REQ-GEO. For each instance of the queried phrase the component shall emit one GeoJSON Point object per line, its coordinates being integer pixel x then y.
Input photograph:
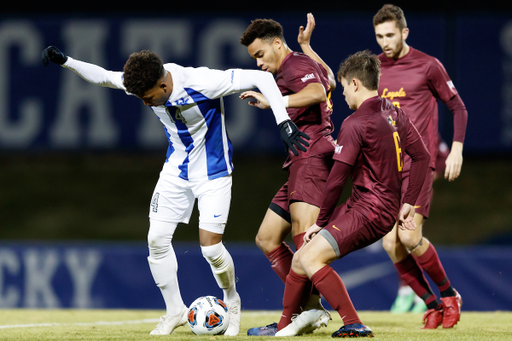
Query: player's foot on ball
{"type": "Point", "coordinates": [168, 323]}
{"type": "Point", "coordinates": [306, 322]}
{"type": "Point", "coordinates": [269, 330]}
{"type": "Point", "coordinates": [353, 330]}
{"type": "Point", "coordinates": [234, 308]}
{"type": "Point", "coordinates": [451, 306]}
{"type": "Point", "coordinates": [432, 319]}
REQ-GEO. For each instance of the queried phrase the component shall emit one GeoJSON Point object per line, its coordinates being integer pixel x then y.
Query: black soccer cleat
{"type": "Point", "coordinates": [353, 330]}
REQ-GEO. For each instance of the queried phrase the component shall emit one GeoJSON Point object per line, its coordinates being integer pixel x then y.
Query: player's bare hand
{"type": "Point", "coordinates": [454, 162]}
{"type": "Point", "coordinates": [311, 232]}
{"type": "Point", "coordinates": [261, 102]}
{"type": "Point", "coordinates": [305, 33]}
{"type": "Point", "coordinates": [406, 218]}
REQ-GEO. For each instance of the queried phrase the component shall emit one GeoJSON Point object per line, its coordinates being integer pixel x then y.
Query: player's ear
{"type": "Point", "coordinates": [405, 33]}
{"type": "Point", "coordinates": [278, 42]}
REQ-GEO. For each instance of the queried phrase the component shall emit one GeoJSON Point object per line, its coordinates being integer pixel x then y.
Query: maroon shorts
{"type": "Point", "coordinates": [306, 183]}
{"type": "Point", "coordinates": [422, 205]}
{"type": "Point", "coordinates": [351, 230]}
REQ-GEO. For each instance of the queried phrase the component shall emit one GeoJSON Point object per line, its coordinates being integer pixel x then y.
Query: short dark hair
{"type": "Point", "coordinates": [390, 13]}
{"type": "Point", "coordinates": [265, 29]}
{"type": "Point", "coordinates": [141, 72]}
{"type": "Point", "coordinates": [364, 66]}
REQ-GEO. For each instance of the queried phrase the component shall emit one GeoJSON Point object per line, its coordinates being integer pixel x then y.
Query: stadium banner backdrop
{"type": "Point", "coordinates": [113, 275]}
{"type": "Point", "coordinates": [47, 109]}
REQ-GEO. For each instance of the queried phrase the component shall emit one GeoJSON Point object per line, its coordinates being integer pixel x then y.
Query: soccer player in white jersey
{"type": "Point", "coordinates": [188, 102]}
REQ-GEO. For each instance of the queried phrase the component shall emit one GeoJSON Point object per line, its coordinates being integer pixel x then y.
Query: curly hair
{"type": "Point", "coordinates": [142, 71]}
{"type": "Point", "coordinates": [364, 66]}
{"type": "Point", "coordinates": [265, 29]}
{"type": "Point", "coordinates": [390, 12]}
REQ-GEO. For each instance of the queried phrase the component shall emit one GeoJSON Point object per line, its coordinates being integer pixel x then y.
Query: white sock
{"type": "Point", "coordinates": [223, 269]}
{"type": "Point", "coordinates": [163, 264]}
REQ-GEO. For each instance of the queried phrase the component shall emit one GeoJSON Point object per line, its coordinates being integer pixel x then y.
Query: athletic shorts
{"type": "Point", "coordinates": [422, 205]}
{"type": "Point", "coordinates": [351, 230]}
{"type": "Point", "coordinates": [306, 183]}
{"type": "Point", "coordinates": [173, 201]}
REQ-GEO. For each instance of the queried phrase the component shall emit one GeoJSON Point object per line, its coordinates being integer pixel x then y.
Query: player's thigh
{"type": "Point", "coordinates": [307, 179]}
{"type": "Point", "coordinates": [272, 232]}
{"type": "Point", "coordinates": [213, 200]}
{"type": "Point", "coordinates": [315, 255]}
{"type": "Point", "coordinates": [172, 200]}
{"type": "Point", "coordinates": [303, 215]}
{"type": "Point", "coordinates": [410, 238]}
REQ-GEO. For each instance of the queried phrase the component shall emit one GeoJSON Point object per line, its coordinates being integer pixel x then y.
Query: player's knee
{"type": "Point", "coordinates": [389, 244]}
{"type": "Point", "coordinates": [410, 239]}
{"type": "Point", "coordinates": [266, 244]}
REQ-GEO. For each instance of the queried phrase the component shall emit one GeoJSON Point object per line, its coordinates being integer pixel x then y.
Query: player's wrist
{"type": "Point", "coordinates": [286, 100]}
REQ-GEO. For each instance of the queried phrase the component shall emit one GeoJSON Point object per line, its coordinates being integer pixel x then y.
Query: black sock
{"type": "Point", "coordinates": [448, 292]}
{"type": "Point", "coordinates": [435, 305]}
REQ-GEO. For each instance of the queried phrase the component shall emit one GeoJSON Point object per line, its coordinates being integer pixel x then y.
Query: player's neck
{"type": "Point", "coordinates": [364, 95]}
{"type": "Point", "coordinates": [405, 50]}
{"type": "Point", "coordinates": [283, 53]}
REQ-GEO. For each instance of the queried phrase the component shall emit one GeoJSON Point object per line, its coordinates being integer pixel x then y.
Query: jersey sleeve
{"type": "Point", "coordinates": [349, 141]}
{"type": "Point", "coordinates": [217, 83]}
{"type": "Point", "coordinates": [96, 74]}
{"type": "Point", "coordinates": [439, 82]}
{"type": "Point", "coordinates": [301, 74]}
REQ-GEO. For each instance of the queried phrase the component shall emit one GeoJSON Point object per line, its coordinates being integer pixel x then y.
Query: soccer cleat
{"type": "Point", "coordinates": [353, 330]}
{"type": "Point", "coordinates": [234, 317]}
{"type": "Point", "coordinates": [306, 322]}
{"type": "Point", "coordinates": [451, 306]}
{"type": "Point", "coordinates": [168, 323]}
{"type": "Point", "coordinates": [432, 319]}
{"type": "Point", "coordinates": [403, 303]}
{"type": "Point", "coordinates": [269, 330]}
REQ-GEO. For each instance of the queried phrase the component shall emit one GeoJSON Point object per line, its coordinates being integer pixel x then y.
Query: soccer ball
{"type": "Point", "coordinates": [208, 316]}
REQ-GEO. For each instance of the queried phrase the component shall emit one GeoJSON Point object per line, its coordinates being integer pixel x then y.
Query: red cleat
{"type": "Point", "coordinates": [451, 306]}
{"type": "Point", "coordinates": [432, 319]}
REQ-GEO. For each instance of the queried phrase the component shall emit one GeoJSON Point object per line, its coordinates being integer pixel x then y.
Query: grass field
{"type": "Point", "coordinates": [24, 324]}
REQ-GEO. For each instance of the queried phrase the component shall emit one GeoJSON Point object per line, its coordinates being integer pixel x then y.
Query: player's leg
{"type": "Point", "coordinates": [171, 203]}
{"type": "Point", "coordinates": [272, 233]}
{"type": "Point", "coordinates": [214, 197]}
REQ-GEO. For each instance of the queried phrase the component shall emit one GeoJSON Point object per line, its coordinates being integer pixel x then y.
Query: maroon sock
{"type": "Point", "coordinates": [298, 240]}
{"type": "Point", "coordinates": [431, 263]}
{"type": "Point", "coordinates": [281, 260]}
{"type": "Point", "coordinates": [412, 274]}
{"type": "Point", "coordinates": [334, 291]}
{"type": "Point", "coordinates": [294, 290]}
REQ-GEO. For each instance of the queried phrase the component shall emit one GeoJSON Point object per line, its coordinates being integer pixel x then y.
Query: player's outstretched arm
{"type": "Point", "coordinates": [304, 40]}
{"type": "Point", "coordinates": [92, 73]}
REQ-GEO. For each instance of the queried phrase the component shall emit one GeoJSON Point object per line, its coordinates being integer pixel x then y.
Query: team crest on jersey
{"type": "Point", "coordinates": [338, 149]}
{"type": "Point", "coordinates": [390, 121]}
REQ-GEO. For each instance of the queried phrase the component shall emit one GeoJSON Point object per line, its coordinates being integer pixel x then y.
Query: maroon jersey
{"type": "Point", "coordinates": [373, 140]}
{"type": "Point", "coordinates": [296, 72]}
{"type": "Point", "coordinates": [414, 83]}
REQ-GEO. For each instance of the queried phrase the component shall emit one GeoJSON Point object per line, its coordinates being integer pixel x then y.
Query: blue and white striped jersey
{"type": "Point", "coordinates": [194, 121]}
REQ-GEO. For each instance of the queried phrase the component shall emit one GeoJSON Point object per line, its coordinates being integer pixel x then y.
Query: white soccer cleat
{"type": "Point", "coordinates": [234, 308]}
{"type": "Point", "coordinates": [306, 322]}
{"type": "Point", "coordinates": [168, 323]}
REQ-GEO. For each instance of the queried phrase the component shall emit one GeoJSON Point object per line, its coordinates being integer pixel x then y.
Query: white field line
{"type": "Point", "coordinates": [99, 323]}
{"type": "Point", "coordinates": [112, 323]}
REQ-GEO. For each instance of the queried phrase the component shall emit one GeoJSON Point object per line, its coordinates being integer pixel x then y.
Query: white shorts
{"type": "Point", "coordinates": [173, 200]}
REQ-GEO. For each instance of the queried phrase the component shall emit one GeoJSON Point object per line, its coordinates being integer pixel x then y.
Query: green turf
{"type": "Point", "coordinates": [128, 325]}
